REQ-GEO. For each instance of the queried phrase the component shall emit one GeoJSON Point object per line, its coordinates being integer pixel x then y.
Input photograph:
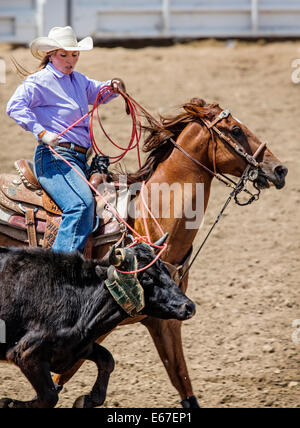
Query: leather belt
{"type": "Point", "coordinates": [73, 146]}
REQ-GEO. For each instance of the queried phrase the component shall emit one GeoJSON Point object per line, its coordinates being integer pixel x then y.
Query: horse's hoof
{"type": "Point", "coordinates": [190, 403]}
{"type": "Point", "coordinates": [6, 403]}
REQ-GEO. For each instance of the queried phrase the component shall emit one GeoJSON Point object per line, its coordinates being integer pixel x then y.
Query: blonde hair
{"type": "Point", "coordinates": [23, 72]}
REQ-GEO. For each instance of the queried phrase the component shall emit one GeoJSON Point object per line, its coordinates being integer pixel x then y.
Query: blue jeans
{"type": "Point", "coordinates": [70, 192]}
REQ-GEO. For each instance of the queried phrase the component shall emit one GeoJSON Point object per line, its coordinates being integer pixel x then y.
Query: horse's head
{"type": "Point", "coordinates": [230, 138]}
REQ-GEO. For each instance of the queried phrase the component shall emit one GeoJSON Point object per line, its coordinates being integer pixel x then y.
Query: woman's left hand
{"type": "Point", "coordinates": [117, 85]}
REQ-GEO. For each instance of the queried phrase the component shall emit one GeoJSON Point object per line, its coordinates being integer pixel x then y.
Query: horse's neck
{"type": "Point", "coordinates": [190, 193]}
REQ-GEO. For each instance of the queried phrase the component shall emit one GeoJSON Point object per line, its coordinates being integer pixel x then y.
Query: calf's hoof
{"type": "Point", "coordinates": [79, 403]}
{"type": "Point", "coordinates": [6, 403]}
{"type": "Point", "coordinates": [58, 388]}
{"type": "Point", "coordinates": [86, 402]}
{"type": "Point", "coordinates": [83, 402]}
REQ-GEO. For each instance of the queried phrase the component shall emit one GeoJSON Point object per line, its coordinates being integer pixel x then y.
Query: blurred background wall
{"type": "Point", "coordinates": [23, 20]}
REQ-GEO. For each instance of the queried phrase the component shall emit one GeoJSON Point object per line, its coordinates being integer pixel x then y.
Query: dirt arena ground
{"type": "Point", "coordinates": [239, 347]}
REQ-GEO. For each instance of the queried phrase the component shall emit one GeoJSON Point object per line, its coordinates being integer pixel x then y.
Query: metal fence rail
{"type": "Point", "coordinates": [22, 20]}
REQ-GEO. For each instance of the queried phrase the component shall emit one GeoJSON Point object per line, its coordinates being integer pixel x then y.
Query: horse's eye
{"type": "Point", "coordinates": [236, 131]}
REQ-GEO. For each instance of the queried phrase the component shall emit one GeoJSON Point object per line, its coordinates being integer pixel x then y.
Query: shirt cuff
{"type": "Point", "coordinates": [37, 129]}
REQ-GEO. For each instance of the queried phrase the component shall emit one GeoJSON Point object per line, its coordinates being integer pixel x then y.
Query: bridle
{"type": "Point", "coordinates": [251, 172]}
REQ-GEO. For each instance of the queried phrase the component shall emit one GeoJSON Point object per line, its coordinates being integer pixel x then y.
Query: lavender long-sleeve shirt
{"type": "Point", "coordinates": [53, 101]}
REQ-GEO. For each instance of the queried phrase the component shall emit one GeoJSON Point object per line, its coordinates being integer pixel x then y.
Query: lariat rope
{"type": "Point", "coordinates": [104, 93]}
{"type": "Point", "coordinates": [133, 109]}
{"type": "Point", "coordinates": [136, 133]}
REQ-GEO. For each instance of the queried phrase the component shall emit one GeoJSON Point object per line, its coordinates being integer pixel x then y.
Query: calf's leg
{"type": "Point", "coordinates": [38, 374]}
{"type": "Point", "coordinates": [105, 364]}
{"type": "Point", "coordinates": [62, 379]}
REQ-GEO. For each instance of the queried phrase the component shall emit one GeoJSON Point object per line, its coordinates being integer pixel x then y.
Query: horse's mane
{"type": "Point", "coordinates": [157, 142]}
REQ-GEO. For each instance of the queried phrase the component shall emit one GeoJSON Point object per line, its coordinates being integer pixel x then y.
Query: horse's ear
{"type": "Point", "coordinates": [190, 109]}
{"type": "Point", "coordinates": [198, 102]}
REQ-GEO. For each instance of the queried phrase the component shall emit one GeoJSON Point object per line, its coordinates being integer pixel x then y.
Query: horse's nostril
{"type": "Point", "coordinates": [281, 171]}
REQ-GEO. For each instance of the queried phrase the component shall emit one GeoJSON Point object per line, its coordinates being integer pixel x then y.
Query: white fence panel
{"type": "Point", "coordinates": [280, 18]}
{"type": "Point", "coordinates": [52, 13]}
{"type": "Point", "coordinates": [215, 18]}
{"type": "Point", "coordinates": [17, 20]}
{"type": "Point", "coordinates": [115, 19]}
{"type": "Point", "coordinates": [118, 19]}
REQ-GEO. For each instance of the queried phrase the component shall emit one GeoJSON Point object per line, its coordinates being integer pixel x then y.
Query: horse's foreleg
{"type": "Point", "coordinates": [166, 335]}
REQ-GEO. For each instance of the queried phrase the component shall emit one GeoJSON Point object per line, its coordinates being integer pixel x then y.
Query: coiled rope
{"type": "Point", "coordinates": [133, 107]}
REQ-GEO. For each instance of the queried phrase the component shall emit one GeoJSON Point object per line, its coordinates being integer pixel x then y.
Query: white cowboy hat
{"type": "Point", "coordinates": [59, 38]}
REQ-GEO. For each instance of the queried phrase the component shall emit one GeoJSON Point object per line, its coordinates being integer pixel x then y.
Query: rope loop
{"type": "Point", "coordinates": [134, 143]}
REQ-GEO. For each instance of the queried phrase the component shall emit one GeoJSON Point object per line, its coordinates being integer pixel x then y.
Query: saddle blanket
{"type": "Point", "coordinates": [18, 221]}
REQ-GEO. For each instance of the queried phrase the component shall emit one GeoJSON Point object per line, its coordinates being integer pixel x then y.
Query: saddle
{"type": "Point", "coordinates": [29, 215]}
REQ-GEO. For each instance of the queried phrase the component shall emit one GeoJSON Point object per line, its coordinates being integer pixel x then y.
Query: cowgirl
{"type": "Point", "coordinates": [47, 103]}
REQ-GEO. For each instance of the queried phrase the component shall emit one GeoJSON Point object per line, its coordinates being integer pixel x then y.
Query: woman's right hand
{"type": "Point", "coordinates": [50, 138]}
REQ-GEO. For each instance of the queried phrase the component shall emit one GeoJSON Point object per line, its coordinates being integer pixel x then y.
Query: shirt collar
{"type": "Point", "coordinates": [54, 70]}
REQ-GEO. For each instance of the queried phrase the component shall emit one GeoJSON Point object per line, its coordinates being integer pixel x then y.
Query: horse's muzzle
{"type": "Point", "coordinates": [275, 175]}
{"type": "Point", "coordinates": [280, 172]}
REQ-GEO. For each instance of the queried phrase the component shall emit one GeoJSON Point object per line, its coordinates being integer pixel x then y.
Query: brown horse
{"type": "Point", "coordinates": [208, 142]}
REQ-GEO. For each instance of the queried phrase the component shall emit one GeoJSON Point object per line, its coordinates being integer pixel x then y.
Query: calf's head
{"type": "Point", "coordinates": [163, 298]}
